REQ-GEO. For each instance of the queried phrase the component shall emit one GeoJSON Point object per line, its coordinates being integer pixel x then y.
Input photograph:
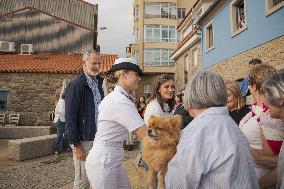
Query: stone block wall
{"type": "Point", "coordinates": [33, 95]}
{"type": "Point", "coordinates": [28, 148]}
{"type": "Point", "coordinates": [16, 132]}
{"type": "Point", "coordinates": [236, 67]}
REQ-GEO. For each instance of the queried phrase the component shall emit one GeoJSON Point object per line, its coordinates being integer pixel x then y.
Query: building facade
{"type": "Point", "coordinates": [156, 37]}
{"type": "Point", "coordinates": [47, 26]}
{"type": "Point", "coordinates": [30, 84]}
{"type": "Point", "coordinates": [187, 55]}
{"type": "Point", "coordinates": [236, 31]}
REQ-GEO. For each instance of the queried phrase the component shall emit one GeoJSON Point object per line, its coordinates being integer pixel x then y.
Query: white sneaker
{"type": "Point", "coordinates": [56, 153]}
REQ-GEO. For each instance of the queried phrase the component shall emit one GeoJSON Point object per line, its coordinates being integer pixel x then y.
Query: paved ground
{"type": "Point", "coordinates": [53, 172]}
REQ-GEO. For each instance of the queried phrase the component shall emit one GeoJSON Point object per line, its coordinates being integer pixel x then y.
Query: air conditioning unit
{"type": "Point", "coordinates": [6, 46]}
{"type": "Point", "coordinates": [26, 48]}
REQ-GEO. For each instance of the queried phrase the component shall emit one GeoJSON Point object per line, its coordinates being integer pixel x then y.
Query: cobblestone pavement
{"type": "Point", "coordinates": [54, 172]}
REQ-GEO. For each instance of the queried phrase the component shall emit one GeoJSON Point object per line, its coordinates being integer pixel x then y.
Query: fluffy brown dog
{"type": "Point", "coordinates": [159, 146]}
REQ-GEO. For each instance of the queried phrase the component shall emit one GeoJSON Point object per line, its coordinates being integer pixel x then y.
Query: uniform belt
{"type": "Point", "coordinates": [114, 144]}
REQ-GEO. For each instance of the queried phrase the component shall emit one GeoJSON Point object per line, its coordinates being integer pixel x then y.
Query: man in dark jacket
{"type": "Point", "coordinates": [82, 97]}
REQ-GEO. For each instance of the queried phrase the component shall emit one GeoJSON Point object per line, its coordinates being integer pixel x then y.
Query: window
{"type": "Point", "coordinates": [273, 5]}
{"type": "Point", "coordinates": [181, 12]}
{"type": "Point", "coordinates": [136, 13]}
{"type": "Point", "coordinates": [238, 17]}
{"type": "Point", "coordinates": [195, 57]}
{"type": "Point", "coordinates": [136, 35]}
{"type": "Point", "coordinates": [209, 36]}
{"type": "Point", "coordinates": [136, 55]}
{"type": "Point", "coordinates": [160, 10]}
{"type": "Point", "coordinates": [4, 99]}
{"type": "Point", "coordinates": [147, 88]}
{"type": "Point", "coordinates": [152, 33]}
{"type": "Point", "coordinates": [159, 33]}
{"type": "Point", "coordinates": [158, 57]}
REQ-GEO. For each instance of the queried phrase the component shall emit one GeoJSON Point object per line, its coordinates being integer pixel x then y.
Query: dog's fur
{"type": "Point", "coordinates": [159, 147]}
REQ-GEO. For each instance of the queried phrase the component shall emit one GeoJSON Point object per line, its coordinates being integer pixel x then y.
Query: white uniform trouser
{"type": "Point", "coordinates": [104, 167]}
{"type": "Point", "coordinates": [81, 180]}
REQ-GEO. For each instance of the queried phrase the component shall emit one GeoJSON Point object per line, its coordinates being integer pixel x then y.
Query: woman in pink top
{"type": "Point", "coordinates": [265, 134]}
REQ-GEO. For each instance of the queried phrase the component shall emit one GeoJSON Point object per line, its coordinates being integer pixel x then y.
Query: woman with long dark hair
{"type": "Point", "coordinates": [163, 100]}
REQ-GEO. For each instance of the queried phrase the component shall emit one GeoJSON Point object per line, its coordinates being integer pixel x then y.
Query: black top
{"type": "Point", "coordinates": [238, 115]}
{"type": "Point", "coordinates": [186, 118]}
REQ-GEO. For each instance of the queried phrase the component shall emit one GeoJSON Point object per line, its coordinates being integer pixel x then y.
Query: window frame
{"type": "Point", "coordinates": [169, 6]}
{"type": "Point", "coordinates": [136, 35]}
{"type": "Point", "coordinates": [235, 29]}
{"type": "Point", "coordinates": [207, 47]}
{"type": "Point", "coordinates": [136, 54]}
{"type": "Point", "coordinates": [160, 29]}
{"type": "Point", "coordinates": [148, 88]}
{"type": "Point", "coordinates": [270, 9]}
{"type": "Point", "coordinates": [151, 53]}
{"type": "Point", "coordinates": [8, 91]}
{"type": "Point", "coordinates": [136, 12]}
{"type": "Point", "coordinates": [181, 12]}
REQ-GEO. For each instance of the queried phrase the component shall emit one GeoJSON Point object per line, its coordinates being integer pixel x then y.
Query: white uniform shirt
{"type": "Point", "coordinates": [154, 108]}
{"type": "Point", "coordinates": [117, 116]}
{"type": "Point", "coordinates": [59, 111]}
{"type": "Point", "coordinates": [212, 153]}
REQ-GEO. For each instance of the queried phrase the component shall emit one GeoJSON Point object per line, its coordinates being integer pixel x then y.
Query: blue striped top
{"type": "Point", "coordinates": [212, 154]}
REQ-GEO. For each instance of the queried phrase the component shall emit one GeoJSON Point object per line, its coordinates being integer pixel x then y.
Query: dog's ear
{"type": "Point", "coordinates": [177, 121]}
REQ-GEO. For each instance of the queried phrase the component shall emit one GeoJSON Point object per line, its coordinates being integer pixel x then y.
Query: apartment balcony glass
{"type": "Point", "coordinates": [160, 10]}
{"type": "Point", "coordinates": [160, 33]}
{"type": "Point", "coordinates": [158, 57]}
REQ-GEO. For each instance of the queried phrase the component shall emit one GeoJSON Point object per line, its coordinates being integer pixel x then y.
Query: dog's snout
{"type": "Point", "coordinates": [149, 131]}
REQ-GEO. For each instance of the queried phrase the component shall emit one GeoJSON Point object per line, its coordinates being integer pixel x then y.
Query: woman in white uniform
{"type": "Point", "coordinates": [118, 115]}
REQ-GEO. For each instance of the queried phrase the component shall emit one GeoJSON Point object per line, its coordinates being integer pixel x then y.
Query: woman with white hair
{"type": "Point", "coordinates": [212, 151]}
{"type": "Point", "coordinates": [273, 89]}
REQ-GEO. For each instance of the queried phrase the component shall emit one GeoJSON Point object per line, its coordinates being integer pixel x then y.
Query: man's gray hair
{"type": "Point", "coordinates": [204, 90]}
{"type": "Point", "coordinates": [273, 88]}
{"type": "Point", "coordinates": [87, 53]}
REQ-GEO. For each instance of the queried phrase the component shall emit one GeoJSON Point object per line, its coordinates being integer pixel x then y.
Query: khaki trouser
{"type": "Point", "coordinates": [81, 180]}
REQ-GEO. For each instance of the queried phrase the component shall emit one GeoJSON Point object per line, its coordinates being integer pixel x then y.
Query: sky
{"type": "Point", "coordinates": [117, 17]}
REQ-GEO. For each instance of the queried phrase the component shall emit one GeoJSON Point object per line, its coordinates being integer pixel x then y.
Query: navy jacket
{"type": "Point", "coordinates": [80, 109]}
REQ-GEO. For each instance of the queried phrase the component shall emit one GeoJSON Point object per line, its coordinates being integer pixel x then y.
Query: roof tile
{"type": "Point", "coordinates": [49, 63]}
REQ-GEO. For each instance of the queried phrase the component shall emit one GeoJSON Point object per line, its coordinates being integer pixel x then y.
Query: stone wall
{"type": "Point", "coordinates": [33, 95]}
{"type": "Point", "coordinates": [182, 68]}
{"type": "Point", "coordinates": [236, 67]}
